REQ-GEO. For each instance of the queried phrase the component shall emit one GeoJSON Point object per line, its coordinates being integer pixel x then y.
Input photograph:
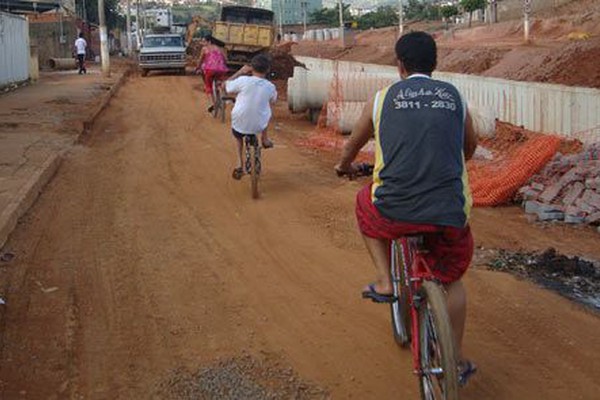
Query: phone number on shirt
{"type": "Point", "coordinates": [448, 105]}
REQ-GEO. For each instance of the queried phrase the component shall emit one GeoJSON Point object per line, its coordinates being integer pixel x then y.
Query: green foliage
{"type": "Point", "coordinates": [472, 5]}
{"type": "Point", "coordinates": [422, 10]}
{"type": "Point", "coordinates": [382, 17]}
{"type": "Point", "coordinates": [330, 16]}
{"type": "Point", "coordinates": [182, 14]}
{"type": "Point", "coordinates": [449, 11]}
{"type": "Point", "coordinates": [111, 12]}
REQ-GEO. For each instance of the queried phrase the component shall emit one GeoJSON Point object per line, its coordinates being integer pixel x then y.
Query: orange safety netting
{"type": "Point", "coordinates": [516, 155]}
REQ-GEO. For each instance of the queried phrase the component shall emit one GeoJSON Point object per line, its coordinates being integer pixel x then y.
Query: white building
{"type": "Point", "coordinates": [291, 12]}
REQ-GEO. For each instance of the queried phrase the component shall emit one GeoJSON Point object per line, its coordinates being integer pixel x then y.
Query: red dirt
{"type": "Point", "coordinates": [498, 50]}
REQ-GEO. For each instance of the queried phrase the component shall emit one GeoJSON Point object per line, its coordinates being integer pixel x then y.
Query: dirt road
{"type": "Point", "coordinates": [144, 256]}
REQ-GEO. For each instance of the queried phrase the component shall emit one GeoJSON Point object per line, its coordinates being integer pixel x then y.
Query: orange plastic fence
{"type": "Point", "coordinates": [494, 182]}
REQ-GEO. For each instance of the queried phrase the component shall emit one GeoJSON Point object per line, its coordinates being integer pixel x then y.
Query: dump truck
{"type": "Point", "coordinates": [246, 31]}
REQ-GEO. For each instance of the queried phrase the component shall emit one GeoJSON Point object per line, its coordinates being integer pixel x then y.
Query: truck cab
{"type": "Point", "coordinates": [162, 52]}
{"type": "Point", "coordinates": [246, 31]}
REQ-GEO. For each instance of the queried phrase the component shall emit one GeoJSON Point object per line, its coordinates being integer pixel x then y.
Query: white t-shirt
{"type": "Point", "coordinates": [80, 44]}
{"type": "Point", "coordinates": [252, 110]}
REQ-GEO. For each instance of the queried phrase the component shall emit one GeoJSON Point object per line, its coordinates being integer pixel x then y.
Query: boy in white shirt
{"type": "Point", "coordinates": [252, 110]}
{"type": "Point", "coordinates": [80, 47]}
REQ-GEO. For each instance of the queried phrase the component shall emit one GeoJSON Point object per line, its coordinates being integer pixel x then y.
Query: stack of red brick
{"type": "Point", "coordinates": [567, 189]}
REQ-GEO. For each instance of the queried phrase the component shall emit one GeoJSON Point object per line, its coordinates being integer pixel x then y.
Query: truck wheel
{"type": "Point", "coordinates": [144, 72]}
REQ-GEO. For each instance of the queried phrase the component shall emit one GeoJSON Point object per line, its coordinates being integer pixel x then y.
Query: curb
{"type": "Point", "coordinates": [89, 123]}
{"type": "Point", "coordinates": [27, 195]}
{"type": "Point", "coordinates": [29, 192]}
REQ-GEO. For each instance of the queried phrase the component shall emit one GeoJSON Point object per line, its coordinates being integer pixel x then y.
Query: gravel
{"type": "Point", "coordinates": [243, 377]}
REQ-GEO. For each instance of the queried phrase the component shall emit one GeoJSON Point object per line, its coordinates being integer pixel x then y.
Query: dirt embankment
{"type": "Point", "coordinates": [564, 48]}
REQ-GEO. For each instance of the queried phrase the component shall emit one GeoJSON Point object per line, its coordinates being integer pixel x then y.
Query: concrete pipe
{"type": "Point", "coordinates": [346, 114]}
{"type": "Point", "coordinates": [312, 89]}
{"type": "Point", "coordinates": [62, 63]}
{"type": "Point", "coordinates": [319, 35]}
{"type": "Point", "coordinates": [327, 34]}
{"type": "Point", "coordinates": [320, 64]}
{"type": "Point", "coordinates": [294, 37]}
{"type": "Point", "coordinates": [286, 37]}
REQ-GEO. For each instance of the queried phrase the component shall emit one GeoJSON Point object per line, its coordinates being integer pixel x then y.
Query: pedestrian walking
{"type": "Point", "coordinates": [80, 48]}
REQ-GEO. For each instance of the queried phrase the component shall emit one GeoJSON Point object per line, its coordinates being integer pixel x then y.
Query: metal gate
{"type": "Point", "coordinates": [14, 49]}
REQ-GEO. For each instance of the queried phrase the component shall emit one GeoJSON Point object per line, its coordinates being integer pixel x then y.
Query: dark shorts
{"type": "Point", "coordinates": [239, 135]}
{"type": "Point", "coordinates": [209, 76]}
{"type": "Point", "coordinates": [450, 248]}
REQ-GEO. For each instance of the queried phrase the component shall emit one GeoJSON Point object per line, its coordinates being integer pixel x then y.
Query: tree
{"type": "Point", "coordinates": [382, 17]}
{"type": "Point", "coordinates": [472, 5]}
{"type": "Point", "coordinates": [330, 16]}
{"type": "Point", "coordinates": [448, 12]}
{"type": "Point", "coordinates": [111, 10]}
{"type": "Point", "coordinates": [422, 10]}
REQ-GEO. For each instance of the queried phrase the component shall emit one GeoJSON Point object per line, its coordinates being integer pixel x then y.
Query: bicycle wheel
{"type": "Point", "coordinates": [400, 309]}
{"type": "Point", "coordinates": [216, 97]}
{"type": "Point", "coordinates": [439, 374]}
{"type": "Point", "coordinates": [255, 168]}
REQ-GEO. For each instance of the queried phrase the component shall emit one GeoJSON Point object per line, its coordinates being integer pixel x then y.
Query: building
{"type": "Point", "coordinates": [291, 12]}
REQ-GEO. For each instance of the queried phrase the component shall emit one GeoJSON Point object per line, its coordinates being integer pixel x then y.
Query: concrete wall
{"type": "Point", "coordinates": [54, 39]}
{"type": "Point", "coordinates": [14, 49]}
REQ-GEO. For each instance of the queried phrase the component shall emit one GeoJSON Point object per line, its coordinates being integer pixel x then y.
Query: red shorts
{"type": "Point", "coordinates": [209, 76]}
{"type": "Point", "coordinates": [450, 248]}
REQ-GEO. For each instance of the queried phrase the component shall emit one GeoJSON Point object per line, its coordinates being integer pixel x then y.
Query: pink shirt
{"type": "Point", "coordinates": [214, 61]}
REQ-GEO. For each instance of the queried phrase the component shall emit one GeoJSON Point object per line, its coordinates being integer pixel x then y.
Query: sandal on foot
{"type": "Point", "coordinates": [466, 369]}
{"type": "Point", "coordinates": [267, 144]}
{"type": "Point", "coordinates": [377, 297]}
{"type": "Point", "coordinates": [210, 109]}
{"type": "Point", "coordinates": [237, 173]}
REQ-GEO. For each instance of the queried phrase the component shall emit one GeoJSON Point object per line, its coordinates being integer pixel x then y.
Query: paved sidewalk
{"type": "Point", "coordinates": [38, 124]}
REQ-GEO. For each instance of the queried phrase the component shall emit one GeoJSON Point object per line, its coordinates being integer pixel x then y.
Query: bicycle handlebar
{"type": "Point", "coordinates": [360, 169]}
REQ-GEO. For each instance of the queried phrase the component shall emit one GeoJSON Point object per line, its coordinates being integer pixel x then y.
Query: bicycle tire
{"type": "Point", "coordinates": [436, 339]}
{"type": "Point", "coordinates": [216, 97]}
{"type": "Point", "coordinates": [400, 309]}
{"type": "Point", "coordinates": [255, 172]}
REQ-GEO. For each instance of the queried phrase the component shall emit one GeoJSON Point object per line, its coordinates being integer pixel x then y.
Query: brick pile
{"type": "Point", "coordinates": [567, 189]}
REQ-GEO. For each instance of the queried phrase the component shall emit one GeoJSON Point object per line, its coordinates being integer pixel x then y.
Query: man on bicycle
{"type": "Point", "coordinates": [423, 136]}
{"type": "Point", "coordinates": [252, 111]}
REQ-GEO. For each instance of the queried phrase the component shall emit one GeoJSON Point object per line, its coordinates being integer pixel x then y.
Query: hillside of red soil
{"type": "Point", "coordinates": [499, 50]}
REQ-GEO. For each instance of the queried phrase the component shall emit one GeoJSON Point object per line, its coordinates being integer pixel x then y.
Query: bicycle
{"type": "Point", "coordinates": [419, 310]}
{"type": "Point", "coordinates": [219, 99]}
{"type": "Point", "coordinates": [253, 164]}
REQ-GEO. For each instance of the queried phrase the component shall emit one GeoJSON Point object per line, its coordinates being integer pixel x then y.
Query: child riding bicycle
{"type": "Point", "coordinates": [213, 65]}
{"type": "Point", "coordinates": [252, 110]}
{"type": "Point", "coordinates": [423, 134]}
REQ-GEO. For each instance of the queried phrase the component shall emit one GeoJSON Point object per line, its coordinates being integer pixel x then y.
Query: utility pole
{"type": "Point", "coordinates": [526, 14]}
{"type": "Point", "coordinates": [341, 6]}
{"type": "Point", "coordinates": [400, 18]}
{"type": "Point", "coordinates": [128, 27]}
{"type": "Point", "coordinates": [103, 40]}
{"type": "Point", "coordinates": [303, 4]}
{"type": "Point", "coordinates": [280, 19]}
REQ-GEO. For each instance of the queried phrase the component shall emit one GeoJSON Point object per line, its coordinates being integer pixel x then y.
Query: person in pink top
{"type": "Point", "coordinates": [213, 64]}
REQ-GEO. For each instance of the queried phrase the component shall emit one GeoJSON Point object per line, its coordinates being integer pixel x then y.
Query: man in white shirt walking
{"type": "Point", "coordinates": [80, 47]}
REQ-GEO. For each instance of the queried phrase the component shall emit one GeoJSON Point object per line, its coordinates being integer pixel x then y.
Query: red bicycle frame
{"type": "Point", "coordinates": [415, 271]}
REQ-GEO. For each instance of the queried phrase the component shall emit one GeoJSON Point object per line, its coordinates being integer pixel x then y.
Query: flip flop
{"type": "Point", "coordinates": [267, 144]}
{"type": "Point", "coordinates": [237, 173]}
{"type": "Point", "coordinates": [466, 369]}
{"type": "Point", "coordinates": [377, 297]}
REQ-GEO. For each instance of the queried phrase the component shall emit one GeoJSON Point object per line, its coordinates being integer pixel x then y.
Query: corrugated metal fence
{"type": "Point", "coordinates": [14, 48]}
{"type": "Point", "coordinates": [565, 110]}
